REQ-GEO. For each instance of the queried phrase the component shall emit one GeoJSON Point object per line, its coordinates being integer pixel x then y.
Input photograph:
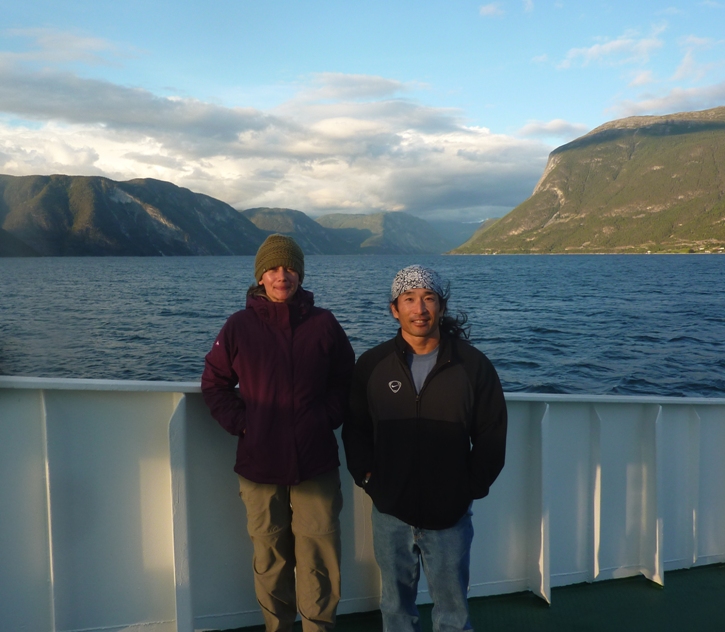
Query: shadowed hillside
{"type": "Point", "coordinates": [63, 215]}
{"type": "Point", "coordinates": [339, 233]}
{"type": "Point", "coordinates": [312, 238]}
{"type": "Point", "coordinates": [11, 246]}
{"type": "Point", "coordinates": [72, 215]}
{"type": "Point", "coordinates": [386, 233]}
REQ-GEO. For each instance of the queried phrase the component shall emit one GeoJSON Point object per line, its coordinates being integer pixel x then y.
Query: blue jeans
{"type": "Point", "coordinates": [446, 554]}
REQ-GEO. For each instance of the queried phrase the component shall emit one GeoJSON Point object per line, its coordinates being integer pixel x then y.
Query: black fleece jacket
{"type": "Point", "coordinates": [431, 453]}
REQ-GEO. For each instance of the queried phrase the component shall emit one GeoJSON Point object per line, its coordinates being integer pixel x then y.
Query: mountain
{"type": "Point", "coordinates": [312, 238]}
{"type": "Point", "coordinates": [454, 233]}
{"type": "Point", "coordinates": [645, 183]}
{"type": "Point", "coordinates": [61, 215]}
{"type": "Point", "coordinates": [73, 215]}
{"type": "Point", "coordinates": [338, 233]}
{"type": "Point", "coordinates": [386, 233]}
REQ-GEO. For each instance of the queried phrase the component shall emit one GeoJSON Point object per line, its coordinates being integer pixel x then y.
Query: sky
{"type": "Point", "coordinates": [443, 109]}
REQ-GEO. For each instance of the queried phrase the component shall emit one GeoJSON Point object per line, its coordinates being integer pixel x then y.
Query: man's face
{"type": "Point", "coordinates": [280, 284]}
{"type": "Point", "coordinates": [418, 312]}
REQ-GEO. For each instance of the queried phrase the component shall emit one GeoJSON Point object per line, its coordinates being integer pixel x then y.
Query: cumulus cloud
{"type": "Point", "coordinates": [63, 96]}
{"type": "Point", "coordinates": [557, 128]}
{"type": "Point", "coordinates": [626, 49]}
{"type": "Point", "coordinates": [492, 9]}
{"type": "Point", "coordinates": [157, 160]}
{"type": "Point", "coordinates": [344, 143]}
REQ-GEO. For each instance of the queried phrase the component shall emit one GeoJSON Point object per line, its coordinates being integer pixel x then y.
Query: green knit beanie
{"type": "Point", "coordinates": [279, 250]}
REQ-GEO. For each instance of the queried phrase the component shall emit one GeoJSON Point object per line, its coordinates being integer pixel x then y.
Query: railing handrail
{"type": "Point", "coordinates": [159, 386]}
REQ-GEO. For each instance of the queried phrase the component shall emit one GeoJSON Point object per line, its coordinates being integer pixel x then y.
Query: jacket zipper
{"type": "Point", "coordinates": [436, 369]}
{"type": "Point", "coordinates": [406, 369]}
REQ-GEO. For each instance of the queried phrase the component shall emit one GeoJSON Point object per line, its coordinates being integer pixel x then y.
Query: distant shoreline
{"type": "Point", "coordinates": [371, 255]}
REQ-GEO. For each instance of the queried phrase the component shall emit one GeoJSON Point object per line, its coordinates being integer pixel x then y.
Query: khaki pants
{"type": "Point", "coordinates": [295, 530]}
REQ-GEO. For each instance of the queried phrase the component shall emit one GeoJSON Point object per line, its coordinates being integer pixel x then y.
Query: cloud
{"type": "Point", "coordinates": [641, 79]}
{"type": "Point", "coordinates": [688, 69]}
{"type": "Point", "coordinates": [46, 45]}
{"type": "Point", "coordinates": [389, 113]}
{"type": "Point", "coordinates": [556, 128]}
{"type": "Point", "coordinates": [692, 41]}
{"type": "Point", "coordinates": [626, 49]}
{"type": "Point", "coordinates": [676, 100]}
{"type": "Point", "coordinates": [67, 98]}
{"type": "Point", "coordinates": [329, 85]}
{"type": "Point", "coordinates": [158, 160]}
{"type": "Point", "coordinates": [491, 10]}
{"type": "Point", "coordinates": [528, 6]}
{"type": "Point", "coordinates": [344, 143]}
{"type": "Point", "coordinates": [27, 151]}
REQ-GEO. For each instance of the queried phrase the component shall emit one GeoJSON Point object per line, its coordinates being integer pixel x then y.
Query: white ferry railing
{"type": "Point", "coordinates": [119, 507]}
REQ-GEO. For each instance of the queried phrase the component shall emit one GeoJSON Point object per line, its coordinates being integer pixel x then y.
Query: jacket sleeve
{"type": "Point", "coordinates": [358, 434]}
{"type": "Point", "coordinates": [339, 377]}
{"type": "Point", "coordinates": [218, 384]}
{"type": "Point", "coordinates": [488, 432]}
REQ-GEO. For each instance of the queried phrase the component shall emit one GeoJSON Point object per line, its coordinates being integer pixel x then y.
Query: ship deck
{"type": "Point", "coordinates": [691, 600]}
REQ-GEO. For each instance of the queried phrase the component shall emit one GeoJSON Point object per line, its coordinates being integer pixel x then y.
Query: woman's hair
{"type": "Point", "coordinates": [256, 290]}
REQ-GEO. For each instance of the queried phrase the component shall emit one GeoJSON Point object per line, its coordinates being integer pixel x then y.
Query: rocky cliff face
{"type": "Point", "coordinates": [635, 185]}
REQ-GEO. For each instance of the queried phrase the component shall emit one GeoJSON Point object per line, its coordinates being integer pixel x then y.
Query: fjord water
{"type": "Point", "coordinates": [652, 325]}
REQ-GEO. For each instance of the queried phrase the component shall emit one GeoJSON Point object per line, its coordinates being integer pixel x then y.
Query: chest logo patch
{"type": "Point", "coordinates": [395, 386]}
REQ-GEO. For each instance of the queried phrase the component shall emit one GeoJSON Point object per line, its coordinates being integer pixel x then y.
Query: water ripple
{"type": "Point", "coordinates": [569, 324]}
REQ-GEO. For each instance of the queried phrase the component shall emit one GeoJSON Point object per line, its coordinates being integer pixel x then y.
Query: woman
{"type": "Point", "coordinates": [293, 364]}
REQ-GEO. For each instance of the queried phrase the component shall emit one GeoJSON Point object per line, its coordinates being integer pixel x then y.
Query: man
{"type": "Point", "coordinates": [426, 437]}
{"type": "Point", "coordinates": [293, 364]}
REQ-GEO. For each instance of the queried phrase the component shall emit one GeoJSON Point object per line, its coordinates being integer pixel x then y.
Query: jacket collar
{"type": "Point", "coordinates": [445, 349]}
{"type": "Point", "coordinates": [282, 314]}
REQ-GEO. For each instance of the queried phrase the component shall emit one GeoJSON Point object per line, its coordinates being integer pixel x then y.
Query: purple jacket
{"type": "Point", "coordinates": [293, 364]}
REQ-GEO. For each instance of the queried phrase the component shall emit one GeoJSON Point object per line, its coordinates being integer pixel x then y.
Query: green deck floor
{"type": "Point", "coordinates": [691, 601]}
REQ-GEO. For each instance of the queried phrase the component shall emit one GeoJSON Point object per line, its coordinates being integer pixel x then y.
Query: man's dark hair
{"type": "Point", "coordinates": [453, 326]}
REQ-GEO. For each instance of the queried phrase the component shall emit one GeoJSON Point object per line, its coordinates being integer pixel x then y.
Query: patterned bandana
{"type": "Point", "coordinates": [415, 277]}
